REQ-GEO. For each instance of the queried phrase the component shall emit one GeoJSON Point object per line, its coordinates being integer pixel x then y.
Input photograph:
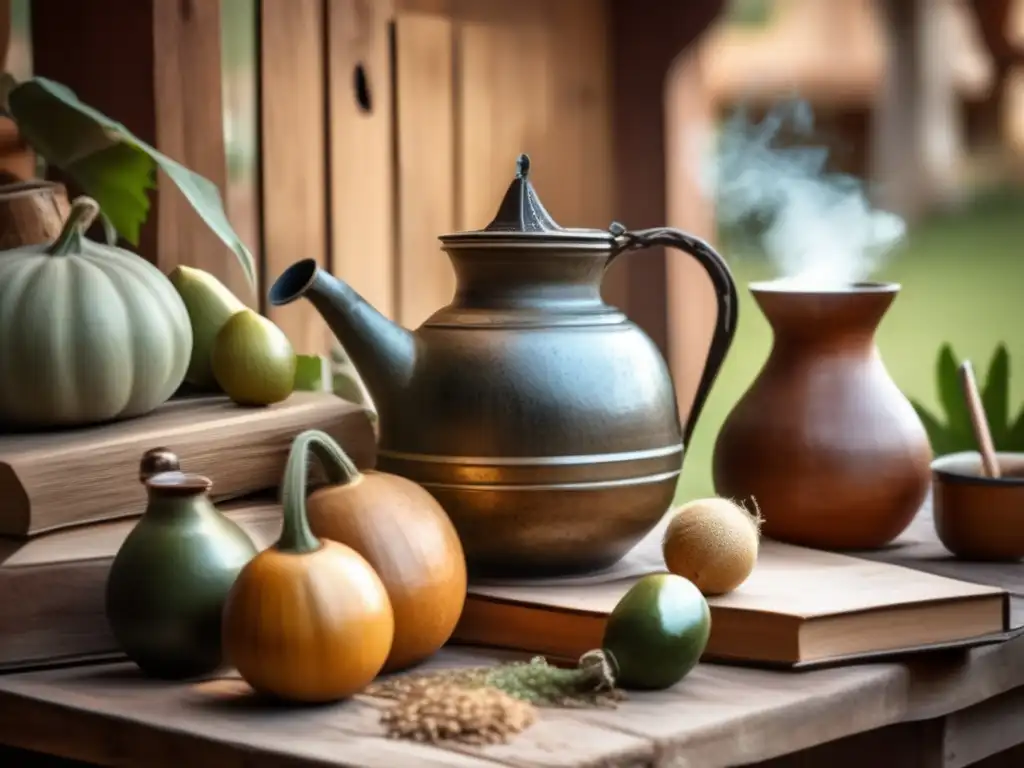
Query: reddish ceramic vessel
{"type": "Point", "coordinates": [826, 443]}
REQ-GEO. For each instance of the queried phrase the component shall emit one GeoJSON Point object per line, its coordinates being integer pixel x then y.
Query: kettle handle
{"type": "Point", "coordinates": [725, 291]}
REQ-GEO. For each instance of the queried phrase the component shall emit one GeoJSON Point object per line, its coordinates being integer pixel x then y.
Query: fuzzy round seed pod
{"type": "Point", "coordinates": [714, 543]}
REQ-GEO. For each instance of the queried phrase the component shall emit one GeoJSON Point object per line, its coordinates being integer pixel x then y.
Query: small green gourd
{"type": "Point", "coordinates": [210, 305]}
{"type": "Point", "coordinates": [88, 332]}
{"type": "Point", "coordinates": [169, 580]}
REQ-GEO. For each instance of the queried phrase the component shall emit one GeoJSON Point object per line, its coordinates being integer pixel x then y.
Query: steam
{"type": "Point", "coordinates": [817, 228]}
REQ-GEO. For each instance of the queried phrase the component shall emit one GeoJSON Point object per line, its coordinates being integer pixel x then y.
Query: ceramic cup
{"type": "Point", "coordinates": [978, 517]}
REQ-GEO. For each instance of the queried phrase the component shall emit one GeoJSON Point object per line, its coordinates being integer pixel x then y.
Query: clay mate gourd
{"type": "Point", "coordinates": [88, 332]}
{"type": "Point", "coordinates": [308, 619]}
{"type": "Point", "coordinates": [404, 534]}
{"type": "Point", "coordinates": [168, 582]}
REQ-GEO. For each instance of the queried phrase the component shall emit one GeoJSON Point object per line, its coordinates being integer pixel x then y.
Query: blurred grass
{"type": "Point", "coordinates": [962, 277]}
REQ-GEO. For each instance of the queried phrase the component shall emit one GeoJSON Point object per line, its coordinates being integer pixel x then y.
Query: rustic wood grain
{"type": "Point", "coordinates": [648, 37]}
{"type": "Point", "coordinates": [361, 144]}
{"type": "Point", "coordinates": [240, 85]}
{"type": "Point", "coordinates": [718, 716]}
{"type": "Point", "coordinates": [294, 155]}
{"type": "Point", "coordinates": [691, 303]}
{"type": "Point", "coordinates": [241, 449]}
{"type": "Point", "coordinates": [31, 213]}
{"type": "Point", "coordinates": [918, 547]}
{"type": "Point", "coordinates": [168, 92]}
{"type": "Point", "coordinates": [61, 578]}
{"type": "Point", "coordinates": [189, 111]}
{"type": "Point", "coordinates": [579, 124]}
{"type": "Point", "coordinates": [501, 109]}
{"type": "Point", "coordinates": [426, 163]}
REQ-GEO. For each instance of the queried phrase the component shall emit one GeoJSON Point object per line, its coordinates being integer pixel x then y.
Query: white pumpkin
{"type": "Point", "coordinates": [88, 332]}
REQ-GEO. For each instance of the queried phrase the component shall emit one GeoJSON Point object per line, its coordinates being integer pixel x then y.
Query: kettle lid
{"type": "Point", "coordinates": [523, 220]}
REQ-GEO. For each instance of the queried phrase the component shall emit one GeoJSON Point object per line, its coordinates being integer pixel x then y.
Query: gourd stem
{"type": "Point", "coordinates": [84, 211]}
{"type": "Point", "coordinates": [296, 535]}
{"type": "Point", "coordinates": [338, 467]}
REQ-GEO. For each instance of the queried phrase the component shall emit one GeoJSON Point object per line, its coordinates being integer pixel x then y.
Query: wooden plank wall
{"type": "Point", "coordinates": [357, 131]}
{"type": "Point", "coordinates": [293, 154]}
{"type": "Point", "coordinates": [378, 137]}
{"type": "Point", "coordinates": [163, 85]}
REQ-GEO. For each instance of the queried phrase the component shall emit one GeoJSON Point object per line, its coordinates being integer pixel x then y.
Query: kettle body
{"type": "Point", "coordinates": [540, 417]}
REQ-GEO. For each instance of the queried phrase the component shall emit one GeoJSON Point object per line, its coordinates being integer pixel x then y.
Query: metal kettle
{"type": "Point", "coordinates": [541, 418]}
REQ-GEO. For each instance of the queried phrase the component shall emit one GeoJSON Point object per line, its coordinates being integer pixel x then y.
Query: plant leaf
{"type": "Point", "coordinates": [958, 418]}
{"type": "Point", "coordinates": [111, 164]}
{"type": "Point", "coordinates": [1014, 441]}
{"type": "Point", "coordinates": [109, 230]}
{"type": "Point", "coordinates": [938, 435]}
{"type": "Point", "coordinates": [995, 396]}
{"type": "Point", "coordinates": [348, 387]}
{"type": "Point", "coordinates": [309, 373]}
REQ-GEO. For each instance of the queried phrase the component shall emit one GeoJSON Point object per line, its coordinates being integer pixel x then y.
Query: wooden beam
{"type": "Point", "coordinates": [294, 155]}
{"type": "Point", "coordinates": [154, 66]}
{"type": "Point", "coordinates": [426, 162]}
{"type": "Point", "coordinates": [361, 143]}
{"type": "Point", "coordinates": [691, 302]}
{"type": "Point", "coordinates": [648, 37]}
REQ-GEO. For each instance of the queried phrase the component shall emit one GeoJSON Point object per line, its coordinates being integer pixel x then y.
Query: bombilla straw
{"type": "Point", "coordinates": [979, 420]}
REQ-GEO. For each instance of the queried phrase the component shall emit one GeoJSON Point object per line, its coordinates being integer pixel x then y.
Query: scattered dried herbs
{"type": "Point", "coordinates": [487, 705]}
{"type": "Point", "coordinates": [590, 684]}
{"type": "Point", "coordinates": [448, 712]}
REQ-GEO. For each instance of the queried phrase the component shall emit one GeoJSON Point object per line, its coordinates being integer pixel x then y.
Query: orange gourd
{"type": "Point", "coordinates": [410, 542]}
{"type": "Point", "coordinates": [307, 620]}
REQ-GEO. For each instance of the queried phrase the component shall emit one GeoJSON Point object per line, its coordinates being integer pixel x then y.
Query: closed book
{"type": "Point", "coordinates": [799, 608]}
{"type": "Point", "coordinates": [54, 587]}
{"type": "Point", "coordinates": [59, 479]}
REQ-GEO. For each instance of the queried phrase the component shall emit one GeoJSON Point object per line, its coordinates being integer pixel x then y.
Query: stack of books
{"type": "Point", "coordinates": [69, 498]}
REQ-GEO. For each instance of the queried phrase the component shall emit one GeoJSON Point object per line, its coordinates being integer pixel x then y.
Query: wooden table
{"type": "Point", "coordinates": [945, 710]}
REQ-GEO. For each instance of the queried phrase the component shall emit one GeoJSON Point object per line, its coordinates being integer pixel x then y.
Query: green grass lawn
{"type": "Point", "coordinates": [963, 282]}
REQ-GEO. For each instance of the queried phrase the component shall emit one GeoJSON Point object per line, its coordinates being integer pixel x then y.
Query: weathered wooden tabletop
{"type": "Point", "coordinates": [954, 709]}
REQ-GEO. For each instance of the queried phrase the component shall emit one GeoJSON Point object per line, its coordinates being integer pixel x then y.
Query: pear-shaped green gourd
{"type": "Point", "coordinates": [168, 582]}
{"type": "Point", "coordinates": [88, 332]}
{"type": "Point", "coordinates": [253, 361]}
{"type": "Point", "coordinates": [657, 632]}
{"type": "Point", "coordinates": [210, 304]}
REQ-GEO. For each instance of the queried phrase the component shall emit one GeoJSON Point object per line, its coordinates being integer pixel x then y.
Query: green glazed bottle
{"type": "Point", "coordinates": [168, 582]}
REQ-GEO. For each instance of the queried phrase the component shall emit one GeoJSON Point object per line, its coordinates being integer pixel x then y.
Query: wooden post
{"type": "Point", "coordinates": [361, 172]}
{"type": "Point", "coordinates": [691, 301]}
{"type": "Point", "coordinates": [154, 66]}
{"type": "Point", "coordinates": [294, 148]}
{"type": "Point", "coordinates": [647, 38]}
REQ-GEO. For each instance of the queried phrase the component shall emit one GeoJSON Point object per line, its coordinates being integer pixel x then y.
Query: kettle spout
{"type": "Point", "coordinates": [384, 353]}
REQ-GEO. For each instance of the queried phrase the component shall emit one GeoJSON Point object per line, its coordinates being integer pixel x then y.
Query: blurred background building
{"type": "Point", "coordinates": [924, 100]}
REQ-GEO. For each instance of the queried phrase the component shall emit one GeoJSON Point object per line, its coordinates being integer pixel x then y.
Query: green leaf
{"type": "Point", "coordinates": [109, 230]}
{"type": "Point", "coordinates": [938, 434]}
{"type": "Point", "coordinates": [954, 406]}
{"type": "Point", "coordinates": [995, 395]}
{"type": "Point", "coordinates": [112, 165]}
{"type": "Point", "coordinates": [1014, 440]}
{"type": "Point", "coordinates": [348, 387]}
{"type": "Point", "coordinates": [309, 373]}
